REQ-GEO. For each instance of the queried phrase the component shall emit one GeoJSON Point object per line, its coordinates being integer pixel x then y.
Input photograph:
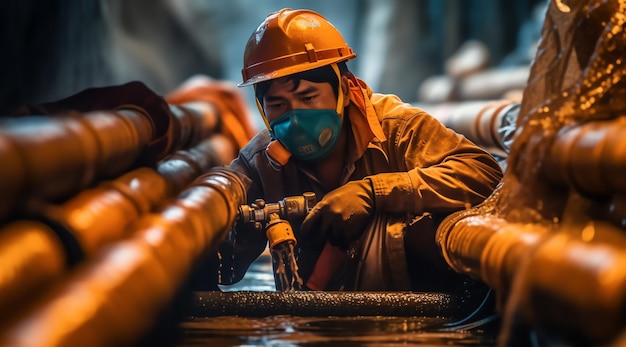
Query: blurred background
{"type": "Point", "coordinates": [417, 49]}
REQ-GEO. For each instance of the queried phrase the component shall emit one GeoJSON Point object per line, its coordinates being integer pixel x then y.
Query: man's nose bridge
{"type": "Point", "coordinates": [294, 103]}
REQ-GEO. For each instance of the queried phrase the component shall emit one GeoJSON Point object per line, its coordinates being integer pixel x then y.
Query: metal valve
{"type": "Point", "coordinates": [279, 233]}
{"type": "Point", "coordinates": [289, 208]}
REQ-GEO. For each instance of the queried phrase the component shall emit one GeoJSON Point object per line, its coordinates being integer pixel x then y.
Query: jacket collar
{"type": "Point", "coordinates": [365, 124]}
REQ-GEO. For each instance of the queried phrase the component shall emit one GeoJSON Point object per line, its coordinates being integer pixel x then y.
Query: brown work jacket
{"type": "Point", "coordinates": [447, 173]}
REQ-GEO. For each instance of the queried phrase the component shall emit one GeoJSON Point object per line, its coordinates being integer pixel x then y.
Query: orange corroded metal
{"type": "Point", "coordinates": [551, 240]}
{"type": "Point", "coordinates": [94, 145]}
{"type": "Point", "coordinates": [589, 157]}
{"type": "Point", "coordinates": [32, 258]}
{"type": "Point", "coordinates": [117, 295]}
{"type": "Point", "coordinates": [108, 202]}
{"type": "Point", "coordinates": [102, 214]}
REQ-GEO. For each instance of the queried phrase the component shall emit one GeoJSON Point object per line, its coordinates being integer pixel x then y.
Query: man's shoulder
{"type": "Point", "coordinates": [390, 106]}
{"type": "Point", "coordinates": [256, 145]}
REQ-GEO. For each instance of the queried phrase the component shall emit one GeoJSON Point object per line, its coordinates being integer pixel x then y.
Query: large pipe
{"type": "Point", "coordinates": [549, 240]}
{"type": "Point", "coordinates": [590, 158]}
{"type": "Point", "coordinates": [32, 257]}
{"type": "Point", "coordinates": [50, 158]}
{"type": "Point", "coordinates": [184, 166]}
{"type": "Point", "coordinates": [489, 124]}
{"type": "Point", "coordinates": [60, 236]}
{"type": "Point", "coordinates": [53, 157]}
{"type": "Point", "coordinates": [572, 281]}
{"type": "Point", "coordinates": [114, 298]}
{"type": "Point", "coordinates": [67, 234]}
{"type": "Point", "coordinates": [488, 84]}
{"type": "Point", "coordinates": [587, 157]}
{"type": "Point", "coordinates": [487, 248]}
{"type": "Point", "coordinates": [194, 122]}
{"type": "Point", "coordinates": [97, 216]}
{"type": "Point", "coordinates": [573, 272]}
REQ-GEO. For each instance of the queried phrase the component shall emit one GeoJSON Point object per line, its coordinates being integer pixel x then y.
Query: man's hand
{"type": "Point", "coordinates": [342, 215]}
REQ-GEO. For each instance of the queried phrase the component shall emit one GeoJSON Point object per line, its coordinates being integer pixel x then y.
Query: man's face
{"type": "Point", "coordinates": [281, 97]}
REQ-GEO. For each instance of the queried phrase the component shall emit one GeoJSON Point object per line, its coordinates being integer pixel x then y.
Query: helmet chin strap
{"type": "Point", "coordinates": [338, 109]}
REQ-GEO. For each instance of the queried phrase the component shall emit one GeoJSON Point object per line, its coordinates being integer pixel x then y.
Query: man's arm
{"type": "Point", "coordinates": [445, 171]}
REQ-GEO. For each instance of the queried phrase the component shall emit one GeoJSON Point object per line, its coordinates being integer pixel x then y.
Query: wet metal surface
{"type": "Point", "coordinates": [210, 327]}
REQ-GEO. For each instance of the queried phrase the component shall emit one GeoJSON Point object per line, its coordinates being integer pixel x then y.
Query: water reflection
{"type": "Point", "coordinates": [324, 331]}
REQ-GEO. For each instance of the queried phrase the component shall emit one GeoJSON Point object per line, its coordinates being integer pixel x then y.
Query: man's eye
{"type": "Point", "coordinates": [308, 98]}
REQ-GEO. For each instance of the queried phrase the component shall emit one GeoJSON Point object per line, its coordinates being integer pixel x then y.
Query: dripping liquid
{"type": "Point", "coordinates": [285, 267]}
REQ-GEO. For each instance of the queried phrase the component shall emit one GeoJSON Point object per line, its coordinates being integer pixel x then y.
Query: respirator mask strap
{"type": "Point", "coordinates": [339, 108]}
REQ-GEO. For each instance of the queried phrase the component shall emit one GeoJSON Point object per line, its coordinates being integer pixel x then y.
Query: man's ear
{"type": "Point", "coordinates": [345, 89]}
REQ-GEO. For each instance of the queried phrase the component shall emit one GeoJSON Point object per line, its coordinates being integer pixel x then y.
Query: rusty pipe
{"type": "Point", "coordinates": [485, 247]}
{"type": "Point", "coordinates": [575, 284]}
{"type": "Point", "coordinates": [67, 233]}
{"type": "Point", "coordinates": [184, 166]}
{"type": "Point", "coordinates": [32, 257]}
{"type": "Point", "coordinates": [573, 279]}
{"type": "Point", "coordinates": [114, 298]}
{"type": "Point", "coordinates": [35, 253]}
{"type": "Point", "coordinates": [193, 122]}
{"type": "Point", "coordinates": [102, 214]}
{"type": "Point", "coordinates": [570, 281]}
{"type": "Point", "coordinates": [121, 201]}
{"type": "Point", "coordinates": [54, 157]}
{"type": "Point", "coordinates": [590, 157]}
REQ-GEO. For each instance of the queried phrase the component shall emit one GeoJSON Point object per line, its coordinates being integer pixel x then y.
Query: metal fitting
{"type": "Point", "coordinates": [289, 208]}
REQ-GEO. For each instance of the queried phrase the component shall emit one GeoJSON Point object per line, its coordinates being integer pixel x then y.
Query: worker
{"type": "Point", "coordinates": [384, 172]}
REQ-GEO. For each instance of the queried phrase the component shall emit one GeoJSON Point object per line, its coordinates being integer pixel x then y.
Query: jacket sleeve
{"type": "Point", "coordinates": [245, 242]}
{"type": "Point", "coordinates": [445, 171]}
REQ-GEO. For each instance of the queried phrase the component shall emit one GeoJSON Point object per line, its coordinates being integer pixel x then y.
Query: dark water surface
{"type": "Point", "coordinates": [327, 331]}
{"type": "Point", "coordinates": [284, 330]}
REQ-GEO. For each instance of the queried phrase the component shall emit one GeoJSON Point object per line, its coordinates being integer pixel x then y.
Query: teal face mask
{"type": "Point", "coordinates": [307, 134]}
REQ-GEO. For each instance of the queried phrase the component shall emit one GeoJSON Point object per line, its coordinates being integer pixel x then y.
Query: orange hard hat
{"type": "Point", "coordinates": [291, 41]}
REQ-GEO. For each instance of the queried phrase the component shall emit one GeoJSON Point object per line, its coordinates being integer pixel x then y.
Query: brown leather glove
{"type": "Point", "coordinates": [341, 215]}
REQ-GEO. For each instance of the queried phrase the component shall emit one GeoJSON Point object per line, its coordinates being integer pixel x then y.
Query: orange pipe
{"type": "Point", "coordinates": [571, 280]}
{"type": "Point", "coordinates": [32, 257]}
{"type": "Point", "coordinates": [51, 158]}
{"type": "Point", "coordinates": [116, 297]}
{"type": "Point", "coordinates": [93, 218]}
{"type": "Point", "coordinates": [193, 122]}
{"type": "Point", "coordinates": [101, 215]}
{"type": "Point", "coordinates": [590, 157]}
{"type": "Point", "coordinates": [184, 166]}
